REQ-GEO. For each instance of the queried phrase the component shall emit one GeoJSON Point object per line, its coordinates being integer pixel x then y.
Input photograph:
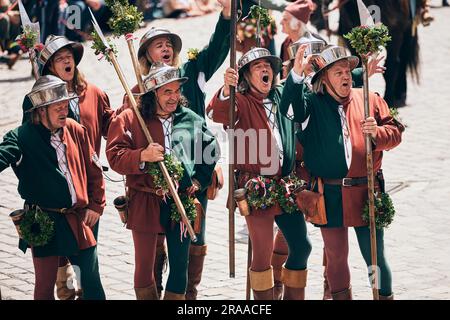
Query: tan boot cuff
{"type": "Point", "coordinates": [261, 281]}
{"type": "Point", "coordinates": [294, 278]}
{"type": "Point", "coordinates": [198, 250]}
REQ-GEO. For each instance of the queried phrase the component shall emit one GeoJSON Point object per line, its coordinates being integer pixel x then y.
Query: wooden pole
{"type": "Point", "coordinates": [231, 202]}
{"type": "Point", "coordinates": [370, 183]}
{"type": "Point", "coordinates": [161, 164]}
{"type": "Point", "coordinates": [249, 263]}
{"type": "Point", "coordinates": [137, 68]}
{"type": "Point", "coordinates": [34, 66]}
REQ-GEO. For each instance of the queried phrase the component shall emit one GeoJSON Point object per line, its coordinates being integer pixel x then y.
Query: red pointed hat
{"type": "Point", "coordinates": [301, 9]}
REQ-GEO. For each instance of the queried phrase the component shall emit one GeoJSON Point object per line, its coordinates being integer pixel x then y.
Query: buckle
{"type": "Point", "coordinates": [347, 182]}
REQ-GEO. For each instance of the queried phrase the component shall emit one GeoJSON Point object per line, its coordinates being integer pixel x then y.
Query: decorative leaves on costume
{"type": "Point", "coordinates": [100, 48]}
{"type": "Point", "coordinates": [286, 195]}
{"type": "Point", "coordinates": [27, 39]}
{"type": "Point", "coordinates": [367, 40]}
{"type": "Point", "coordinates": [192, 53]}
{"type": "Point", "coordinates": [126, 18]}
{"type": "Point", "coordinates": [175, 169]}
{"type": "Point", "coordinates": [37, 228]}
{"type": "Point", "coordinates": [384, 211]}
{"type": "Point", "coordinates": [189, 207]}
{"type": "Point", "coordinates": [261, 192]}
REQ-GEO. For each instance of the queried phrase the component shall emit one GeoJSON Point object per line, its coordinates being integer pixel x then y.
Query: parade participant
{"type": "Point", "coordinates": [91, 108]}
{"type": "Point", "coordinates": [333, 138]}
{"type": "Point", "coordinates": [160, 45]}
{"type": "Point", "coordinates": [59, 176]}
{"type": "Point", "coordinates": [176, 130]}
{"type": "Point", "coordinates": [256, 111]}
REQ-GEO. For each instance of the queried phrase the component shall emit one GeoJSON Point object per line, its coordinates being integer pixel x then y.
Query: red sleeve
{"type": "Point", "coordinates": [125, 102]}
{"type": "Point", "coordinates": [95, 181]}
{"type": "Point", "coordinates": [122, 155]}
{"type": "Point", "coordinates": [389, 134]}
{"type": "Point", "coordinates": [218, 110]}
{"type": "Point", "coordinates": [107, 112]}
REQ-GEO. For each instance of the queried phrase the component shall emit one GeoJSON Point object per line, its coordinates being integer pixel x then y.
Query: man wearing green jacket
{"type": "Point", "coordinates": [60, 180]}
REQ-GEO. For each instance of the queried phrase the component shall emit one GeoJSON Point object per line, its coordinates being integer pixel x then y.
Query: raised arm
{"type": "Point", "coordinates": [10, 152]}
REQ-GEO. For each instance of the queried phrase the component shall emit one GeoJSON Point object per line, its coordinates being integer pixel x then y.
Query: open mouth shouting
{"type": "Point", "coordinates": [265, 79]}
{"type": "Point", "coordinates": [167, 59]}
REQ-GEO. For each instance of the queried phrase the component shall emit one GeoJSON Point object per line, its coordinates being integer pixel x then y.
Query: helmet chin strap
{"type": "Point", "coordinates": [341, 99]}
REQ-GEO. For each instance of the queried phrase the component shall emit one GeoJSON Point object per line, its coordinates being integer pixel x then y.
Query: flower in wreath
{"type": "Point", "coordinates": [286, 193]}
{"type": "Point", "coordinates": [27, 39]}
{"type": "Point", "coordinates": [261, 192]}
{"type": "Point", "coordinates": [125, 19]}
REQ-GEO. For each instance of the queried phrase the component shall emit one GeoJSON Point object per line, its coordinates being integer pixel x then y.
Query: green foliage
{"type": "Point", "coordinates": [27, 39]}
{"type": "Point", "coordinates": [384, 211]}
{"type": "Point", "coordinates": [174, 167]}
{"type": "Point", "coordinates": [37, 228]}
{"type": "Point", "coordinates": [193, 53]}
{"type": "Point", "coordinates": [125, 19]}
{"type": "Point", "coordinates": [368, 40]}
{"type": "Point", "coordinates": [257, 12]}
{"type": "Point", "coordinates": [261, 192]}
{"type": "Point", "coordinates": [189, 207]}
{"type": "Point", "coordinates": [285, 194]}
{"type": "Point", "coordinates": [99, 47]}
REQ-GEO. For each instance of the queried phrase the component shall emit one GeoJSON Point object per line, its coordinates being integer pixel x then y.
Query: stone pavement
{"type": "Point", "coordinates": [416, 172]}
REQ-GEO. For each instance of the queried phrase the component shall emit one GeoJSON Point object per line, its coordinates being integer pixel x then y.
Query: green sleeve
{"type": "Point", "coordinates": [213, 55]}
{"type": "Point", "coordinates": [357, 77]}
{"type": "Point", "coordinates": [211, 153]}
{"type": "Point", "coordinates": [293, 94]}
{"type": "Point", "coordinates": [9, 150]}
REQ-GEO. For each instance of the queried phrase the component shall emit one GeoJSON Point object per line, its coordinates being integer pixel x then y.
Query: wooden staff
{"type": "Point", "coordinates": [249, 263]}
{"type": "Point", "coordinates": [370, 184]}
{"type": "Point", "coordinates": [137, 68]}
{"type": "Point", "coordinates": [161, 164]}
{"type": "Point", "coordinates": [34, 65]}
{"type": "Point", "coordinates": [231, 202]}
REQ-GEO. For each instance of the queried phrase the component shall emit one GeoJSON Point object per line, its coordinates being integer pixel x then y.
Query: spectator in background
{"type": "Point", "coordinates": [9, 29]}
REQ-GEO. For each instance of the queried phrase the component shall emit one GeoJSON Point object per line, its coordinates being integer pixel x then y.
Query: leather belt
{"type": "Point", "coordinates": [56, 210]}
{"type": "Point", "coordinates": [346, 182]}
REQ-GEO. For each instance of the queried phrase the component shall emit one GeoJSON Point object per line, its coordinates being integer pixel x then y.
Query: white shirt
{"type": "Point", "coordinates": [55, 141]}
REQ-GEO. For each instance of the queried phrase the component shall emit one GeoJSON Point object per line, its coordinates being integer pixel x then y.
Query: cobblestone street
{"type": "Point", "coordinates": [417, 174]}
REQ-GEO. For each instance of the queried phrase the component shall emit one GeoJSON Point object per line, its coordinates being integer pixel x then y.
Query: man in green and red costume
{"type": "Point", "coordinates": [271, 154]}
{"type": "Point", "coordinates": [178, 131]}
{"type": "Point", "coordinates": [161, 45]}
{"type": "Point", "coordinates": [59, 173]}
{"type": "Point", "coordinates": [333, 128]}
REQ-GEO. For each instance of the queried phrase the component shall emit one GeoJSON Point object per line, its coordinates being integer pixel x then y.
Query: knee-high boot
{"type": "Point", "coordinates": [262, 284]}
{"type": "Point", "coordinates": [294, 283]}
{"type": "Point", "coordinates": [147, 293]}
{"type": "Point", "coordinates": [196, 261]}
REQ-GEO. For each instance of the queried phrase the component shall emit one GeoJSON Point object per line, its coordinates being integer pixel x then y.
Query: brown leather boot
{"type": "Point", "coordinates": [64, 274]}
{"type": "Point", "coordinates": [391, 297]}
{"type": "Point", "coordinates": [294, 283]}
{"type": "Point", "coordinates": [147, 293]}
{"type": "Point", "coordinates": [160, 267]}
{"type": "Point", "coordinates": [343, 295]}
{"type": "Point", "coordinates": [277, 263]}
{"type": "Point", "coordinates": [196, 260]}
{"type": "Point", "coordinates": [262, 284]}
{"type": "Point", "coordinates": [174, 296]}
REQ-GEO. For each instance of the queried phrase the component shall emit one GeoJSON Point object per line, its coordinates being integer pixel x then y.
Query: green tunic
{"type": "Point", "coordinates": [322, 141]}
{"type": "Point", "coordinates": [40, 182]}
